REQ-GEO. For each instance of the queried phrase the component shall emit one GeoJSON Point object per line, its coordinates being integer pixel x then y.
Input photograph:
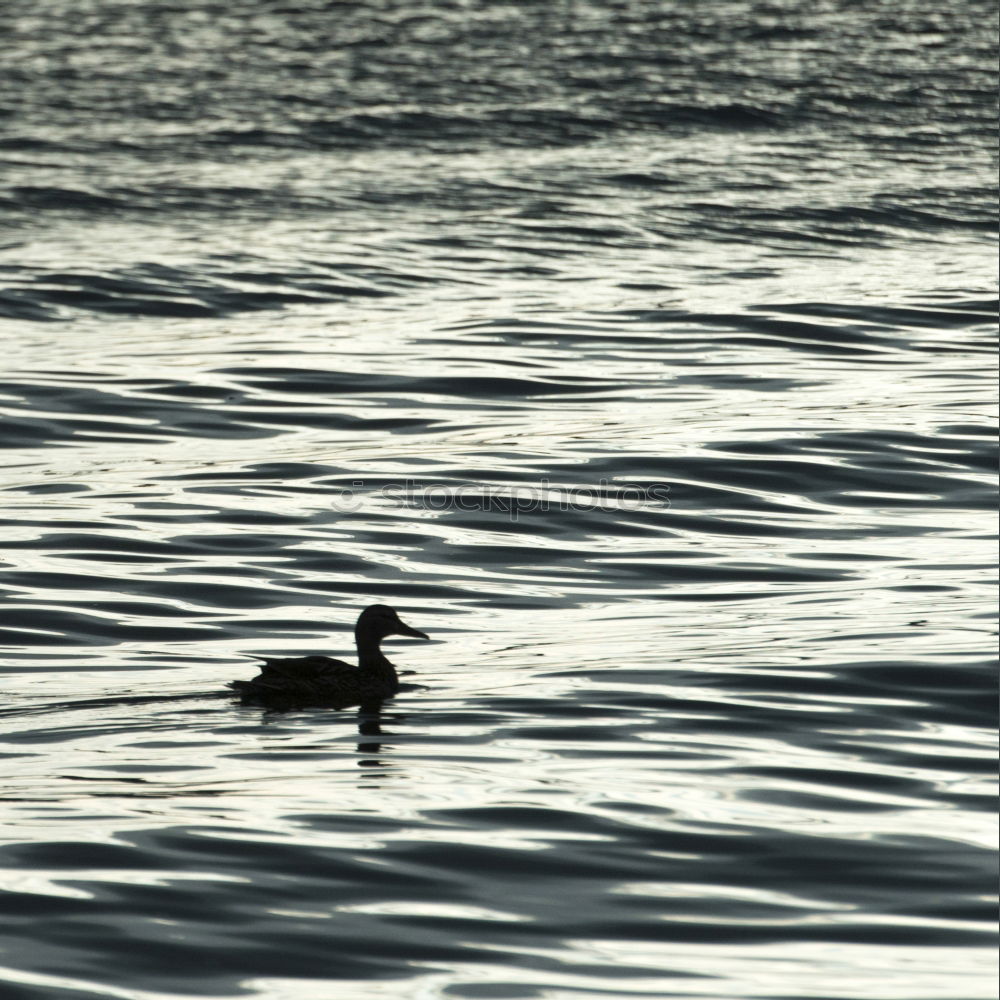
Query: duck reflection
{"type": "Point", "coordinates": [370, 725]}
{"type": "Point", "coordinates": [372, 751]}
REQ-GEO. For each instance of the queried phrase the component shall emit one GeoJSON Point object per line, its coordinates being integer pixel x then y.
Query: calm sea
{"type": "Point", "coordinates": [640, 352]}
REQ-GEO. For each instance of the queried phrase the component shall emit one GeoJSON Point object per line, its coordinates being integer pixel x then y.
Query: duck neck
{"type": "Point", "coordinates": [370, 655]}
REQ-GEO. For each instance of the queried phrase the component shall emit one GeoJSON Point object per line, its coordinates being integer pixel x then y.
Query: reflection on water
{"type": "Point", "coordinates": [640, 353]}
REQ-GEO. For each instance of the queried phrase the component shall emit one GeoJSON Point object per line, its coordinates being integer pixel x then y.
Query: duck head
{"type": "Point", "coordinates": [379, 620]}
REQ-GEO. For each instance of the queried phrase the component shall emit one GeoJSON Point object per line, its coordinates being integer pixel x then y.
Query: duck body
{"type": "Point", "coordinates": [322, 680]}
{"type": "Point", "coordinates": [319, 679]}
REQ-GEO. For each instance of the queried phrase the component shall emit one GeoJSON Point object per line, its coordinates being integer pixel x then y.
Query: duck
{"type": "Point", "coordinates": [322, 680]}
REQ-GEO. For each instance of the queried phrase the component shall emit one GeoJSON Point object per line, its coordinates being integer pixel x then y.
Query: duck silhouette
{"type": "Point", "coordinates": [322, 680]}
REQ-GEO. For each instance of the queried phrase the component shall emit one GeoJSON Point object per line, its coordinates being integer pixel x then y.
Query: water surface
{"type": "Point", "coordinates": [640, 353]}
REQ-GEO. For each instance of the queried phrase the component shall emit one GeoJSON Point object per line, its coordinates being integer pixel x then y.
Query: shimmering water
{"type": "Point", "coordinates": [638, 352]}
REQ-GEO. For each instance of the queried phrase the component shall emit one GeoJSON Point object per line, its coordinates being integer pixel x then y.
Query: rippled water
{"type": "Point", "coordinates": [638, 352]}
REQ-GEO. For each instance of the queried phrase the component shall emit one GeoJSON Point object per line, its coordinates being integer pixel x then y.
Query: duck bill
{"type": "Point", "coordinates": [403, 629]}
